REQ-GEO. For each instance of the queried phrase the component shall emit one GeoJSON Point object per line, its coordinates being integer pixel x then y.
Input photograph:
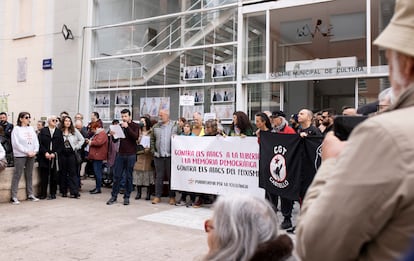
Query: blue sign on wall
{"type": "Point", "coordinates": [47, 64]}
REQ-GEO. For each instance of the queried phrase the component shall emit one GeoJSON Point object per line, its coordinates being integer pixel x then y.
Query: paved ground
{"type": "Point", "coordinates": [88, 229]}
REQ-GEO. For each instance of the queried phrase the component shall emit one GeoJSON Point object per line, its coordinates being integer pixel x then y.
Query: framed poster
{"type": "Point", "coordinates": [223, 111]}
{"type": "Point", "coordinates": [152, 105]}
{"type": "Point", "coordinates": [194, 72]}
{"type": "Point", "coordinates": [222, 95]}
{"type": "Point", "coordinates": [117, 111]}
{"type": "Point", "coordinates": [123, 98]}
{"type": "Point", "coordinates": [188, 111]}
{"type": "Point", "coordinates": [222, 70]}
{"type": "Point", "coordinates": [103, 113]}
{"type": "Point", "coordinates": [197, 93]}
{"type": "Point", "coordinates": [102, 99]}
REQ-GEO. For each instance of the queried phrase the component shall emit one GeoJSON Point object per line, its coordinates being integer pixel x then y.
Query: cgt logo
{"type": "Point", "coordinates": [278, 168]}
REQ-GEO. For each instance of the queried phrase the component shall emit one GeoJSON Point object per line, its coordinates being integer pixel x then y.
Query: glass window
{"type": "Point", "coordinates": [381, 13]}
{"type": "Point", "coordinates": [219, 100]}
{"type": "Point", "coordinates": [263, 97]}
{"type": "Point", "coordinates": [318, 31]}
{"type": "Point", "coordinates": [112, 11]}
{"type": "Point", "coordinates": [115, 11]}
{"type": "Point", "coordinates": [368, 89]}
{"type": "Point", "coordinates": [256, 44]}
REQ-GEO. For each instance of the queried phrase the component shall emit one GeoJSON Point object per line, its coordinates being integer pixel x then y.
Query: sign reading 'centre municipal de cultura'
{"type": "Point", "coordinates": [320, 68]}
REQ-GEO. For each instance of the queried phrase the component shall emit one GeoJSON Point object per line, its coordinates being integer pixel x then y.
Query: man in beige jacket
{"type": "Point", "coordinates": [360, 205]}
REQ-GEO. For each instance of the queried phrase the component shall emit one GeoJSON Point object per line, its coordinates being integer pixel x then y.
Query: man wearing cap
{"type": "Point", "coordinates": [293, 122]}
{"type": "Point", "coordinates": [360, 205]}
{"type": "Point", "coordinates": [280, 125]}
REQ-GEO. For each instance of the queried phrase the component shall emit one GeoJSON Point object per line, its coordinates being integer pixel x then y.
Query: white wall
{"type": "Point", "coordinates": [44, 92]}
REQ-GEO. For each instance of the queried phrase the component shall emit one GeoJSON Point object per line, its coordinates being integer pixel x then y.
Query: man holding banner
{"type": "Point", "coordinates": [280, 125]}
{"type": "Point", "coordinates": [288, 164]}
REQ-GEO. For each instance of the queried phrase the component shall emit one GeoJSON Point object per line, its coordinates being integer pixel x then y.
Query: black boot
{"type": "Point", "coordinates": [138, 196]}
{"type": "Point", "coordinates": [148, 197]}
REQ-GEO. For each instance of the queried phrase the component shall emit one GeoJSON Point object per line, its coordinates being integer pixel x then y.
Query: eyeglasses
{"type": "Point", "coordinates": [208, 225]}
{"type": "Point", "coordinates": [54, 120]}
{"type": "Point", "coordinates": [26, 117]}
{"type": "Point", "coordinates": [381, 107]}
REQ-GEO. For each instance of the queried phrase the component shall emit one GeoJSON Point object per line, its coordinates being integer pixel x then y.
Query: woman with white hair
{"type": "Point", "coordinates": [384, 99]}
{"type": "Point", "coordinates": [243, 228]}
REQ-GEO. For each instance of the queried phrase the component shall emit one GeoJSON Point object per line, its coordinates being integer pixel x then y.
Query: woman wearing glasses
{"type": "Point", "coordinates": [72, 141]}
{"type": "Point", "coordinates": [243, 228]}
{"type": "Point", "coordinates": [25, 146]}
{"type": "Point", "coordinates": [51, 146]}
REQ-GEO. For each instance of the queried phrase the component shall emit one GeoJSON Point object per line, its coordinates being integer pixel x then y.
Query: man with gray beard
{"type": "Point", "coordinates": [360, 205]}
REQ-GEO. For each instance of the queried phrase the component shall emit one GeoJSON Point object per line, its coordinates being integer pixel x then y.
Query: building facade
{"type": "Point", "coordinates": [232, 55]}
{"type": "Point", "coordinates": [39, 69]}
{"type": "Point", "coordinates": [210, 56]}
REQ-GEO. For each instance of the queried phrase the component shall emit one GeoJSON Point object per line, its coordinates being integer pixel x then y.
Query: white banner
{"type": "Point", "coordinates": [215, 165]}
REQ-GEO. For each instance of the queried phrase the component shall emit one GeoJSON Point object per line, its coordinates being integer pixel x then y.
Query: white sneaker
{"type": "Point", "coordinates": [32, 198]}
{"type": "Point", "coordinates": [14, 201]}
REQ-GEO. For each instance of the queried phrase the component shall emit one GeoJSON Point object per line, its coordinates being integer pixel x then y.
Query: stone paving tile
{"type": "Point", "coordinates": [88, 229]}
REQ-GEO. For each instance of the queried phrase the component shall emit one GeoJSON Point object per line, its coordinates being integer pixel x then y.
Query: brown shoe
{"type": "Point", "coordinates": [172, 201]}
{"type": "Point", "coordinates": [156, 200]}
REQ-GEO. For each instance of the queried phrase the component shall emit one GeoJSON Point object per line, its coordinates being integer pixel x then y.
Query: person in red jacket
{"type": "Point", "coordinates": [98, 152]}
{"type": "Point", "coordinates": [280, 125]}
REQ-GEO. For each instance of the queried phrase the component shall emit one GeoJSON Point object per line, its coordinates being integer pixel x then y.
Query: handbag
{"type": "Point", "coordinates": [140, 149]}
{"type": "Point", "coordinates": [3, 164]}
{"type": "Point", "coordinates": [78, 156]}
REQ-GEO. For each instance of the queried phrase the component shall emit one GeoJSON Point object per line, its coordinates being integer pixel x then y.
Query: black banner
{"type": "Point", "coordinates": [288, 163]}
{"type": "Point", "coordinates": [311, 160]}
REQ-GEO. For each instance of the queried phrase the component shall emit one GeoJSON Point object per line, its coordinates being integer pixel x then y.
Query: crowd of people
{"type": "Point", "coordinates": [63, 144]}
{"type": "Point", "coordinates": [358, 207]}
{"type": "Point", "coordinates": [142, 159]}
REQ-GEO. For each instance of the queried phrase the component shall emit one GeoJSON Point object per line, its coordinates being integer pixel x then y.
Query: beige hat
{"type": "Point", "coordinates": [399, 33]}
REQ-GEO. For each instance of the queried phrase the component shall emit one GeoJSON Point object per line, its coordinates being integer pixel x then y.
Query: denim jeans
{"type": "Point", "coordinates": [97, 168]}
{"type": "Point", "coordinates": [123, 163]}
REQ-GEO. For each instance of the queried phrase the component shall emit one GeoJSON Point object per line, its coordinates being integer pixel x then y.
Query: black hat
{"type": "Point", "coordinates": [276, 114]}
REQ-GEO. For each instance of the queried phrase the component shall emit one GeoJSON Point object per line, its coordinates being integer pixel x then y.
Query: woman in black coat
{"type": "Point", "coordinates": [50, 146]}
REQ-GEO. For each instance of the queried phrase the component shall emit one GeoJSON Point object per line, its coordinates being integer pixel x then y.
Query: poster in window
{"type": "Point", "coordinates": [188, 111]}
{"type": "Point", "coordinates": [197, 93]}
{"type": "Point", "coordinates": [223, 111]}
{"type": "Point", "coordinates": [117, 111]}
{"type": "Point", "coordinates": [222, 70]}
{"type": "Point", "coordinates": [103, 113]}
{"type": "Point", "coordinates": [152, 105]}
{"type": "Point", "coordinates": [102, 99]}
{"type": "Point", "coordinates": [222, 95]}
{"type": "Point", "coordinates": [122, 98]}
{"type": "Point", "coordinates": [194, 72]}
